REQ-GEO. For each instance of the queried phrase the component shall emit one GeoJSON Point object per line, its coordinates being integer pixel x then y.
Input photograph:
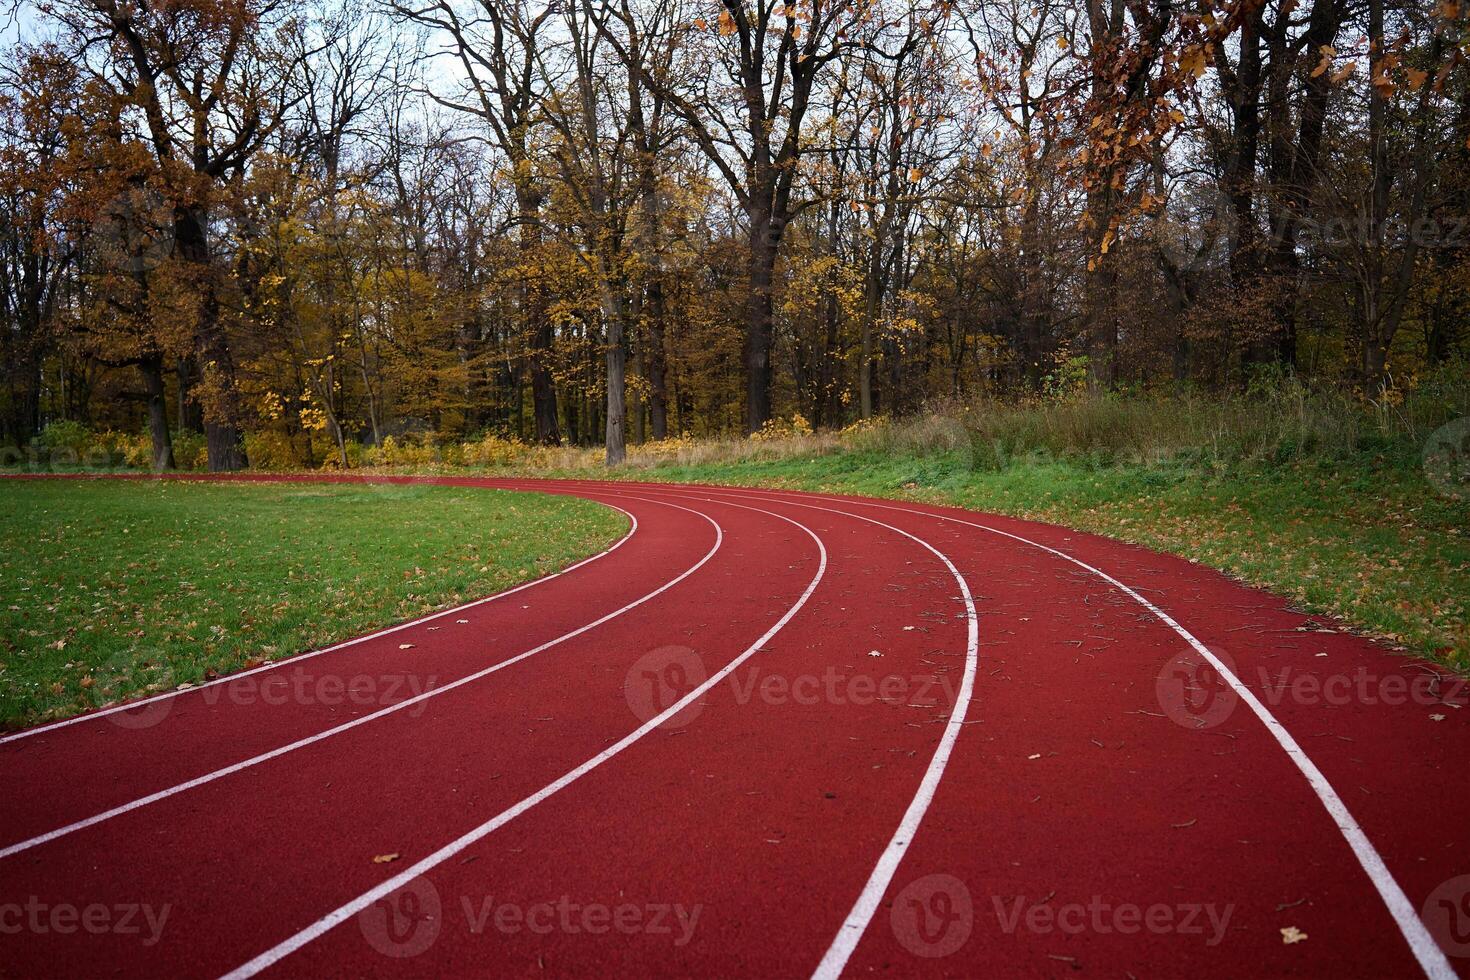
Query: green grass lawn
{"type": "Point", "coordinates": [110, 589]}
{"type": "Point", "coordinates": [1365, 539]}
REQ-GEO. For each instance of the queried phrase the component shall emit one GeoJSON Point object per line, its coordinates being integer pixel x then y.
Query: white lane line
{"type": "Point", "coordinates": [381, 712]}
{"type": "Point", "coordinates": [389, 886]}
{"type": "Point", "coordinates": [871, 897]}
{"type": "Point", "coordinates": [1432, 959]}
{"type": "Point", "coordinates": [292, 661]}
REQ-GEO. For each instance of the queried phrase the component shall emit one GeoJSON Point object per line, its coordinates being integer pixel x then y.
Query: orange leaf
{"type": "Point", "coordinates": [727, 24]}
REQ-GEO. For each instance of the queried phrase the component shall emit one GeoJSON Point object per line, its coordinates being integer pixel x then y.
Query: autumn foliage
{"type": "Point", "coordinates": [295, 233]}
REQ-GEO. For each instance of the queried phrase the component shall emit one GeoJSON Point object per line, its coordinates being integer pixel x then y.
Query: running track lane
{"type": "Point", "coordinates": [413, 779]}
{"type": "Point", "coordinates": [96, 762]}
{"type": "Point", "coordinates": [1122, 805]}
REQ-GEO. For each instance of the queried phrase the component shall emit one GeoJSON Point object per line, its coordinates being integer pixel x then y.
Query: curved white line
{"type": "Point", "coordinates": [292, 661]}
{"type": "Point", "coordinates": [381, 712]}
{"type": "Point", "coordinates": [366, 899]}
{"type": "Point", "coordinates": [871, 897]}
{"type": "Point", "coordinates": [1431, 958]}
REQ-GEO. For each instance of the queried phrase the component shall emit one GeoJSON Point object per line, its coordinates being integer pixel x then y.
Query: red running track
{"type": "Point", "coordinates": [771, 734]}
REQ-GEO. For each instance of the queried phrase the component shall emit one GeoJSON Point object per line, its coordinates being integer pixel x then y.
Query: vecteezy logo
{"type": "Point", "coordinates": [1196, 227]}
{"type": "Point", "coordinates": [1447, 459]}
{"type": "Point", "coordinates": [933, 916]}
{"type": "Point", "coordinates": [659, 679]}
{"type": "Point", "coordinates": [145, 714]}
{"type": "Point", "coordinates": [1446, 913]}
{"type": "Point", "coordinates": [405, 922]}
{"type": "Point", "coordinates": [1193, 692]}
{"type": "Point", "coordinates": [137, 230]}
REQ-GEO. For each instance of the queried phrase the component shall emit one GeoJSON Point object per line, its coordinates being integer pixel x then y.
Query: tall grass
{"type": "Point", "coordinates": [1278, 422]}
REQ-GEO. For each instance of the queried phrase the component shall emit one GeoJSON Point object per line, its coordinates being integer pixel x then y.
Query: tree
{"type": "Point", "coordinates": [209, 80]}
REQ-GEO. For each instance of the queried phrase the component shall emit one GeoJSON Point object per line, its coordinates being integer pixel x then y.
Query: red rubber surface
{"type": "Point", "coordinates": [1085, 822]}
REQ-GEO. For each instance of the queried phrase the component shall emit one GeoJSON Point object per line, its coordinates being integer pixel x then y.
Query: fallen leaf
{"type": "Point", "coordinates": [1292, 935]}
{"type": "Point", "coordinates": [385, 858]}
{"type": "Point", "coordinates": [1436, 717]}
{"type": "Point", "coordinates": [1036, 756]}
{"type": "Point", "coordinates": [405, 646]}
{"type": "Point", "coordinates": [874, 653]}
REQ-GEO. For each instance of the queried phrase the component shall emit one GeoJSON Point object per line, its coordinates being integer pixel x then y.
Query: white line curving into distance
{"type": "Point", "coordinates": [292, 661]}
{"type": "Point", "coordinates": [1431, 958]}
{"type": "Point", "coordinates": [302, 743]}
{"type": "Point", "coordinates": [335, 918]}
{"type": "Point", "coordinates": [871, 897]}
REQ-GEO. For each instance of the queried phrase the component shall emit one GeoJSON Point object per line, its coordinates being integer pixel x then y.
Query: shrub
{"type": "Point", "coordinates": [406, 453]}
{"type": "Point", "coordinates": [191, 451]}
{"type": "Point", "coordinates": [492, 450]}
{"type": "Point", "coordinates": [778, 428]}
{"type": "Point", "coordinates": [65, 437]}
{"type": "Point", "coordinates": [272, 450]}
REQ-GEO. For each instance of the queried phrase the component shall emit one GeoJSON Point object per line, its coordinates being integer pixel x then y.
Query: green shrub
{"type": "Point", "coordinates": [272, 451]}
{"type": "Point", "coordinates": [191, 451]}
{"type": "Point", "coordinates": [65, 435]}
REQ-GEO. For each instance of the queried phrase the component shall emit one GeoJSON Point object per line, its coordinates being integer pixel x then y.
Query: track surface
{"type": "Point", "coordinates": [771, 734]}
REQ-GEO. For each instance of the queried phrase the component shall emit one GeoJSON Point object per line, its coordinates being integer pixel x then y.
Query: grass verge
{"type": "Point", "coordinates": [114, 588]}
{"type": "Point", "coordinates": [1364, 538]}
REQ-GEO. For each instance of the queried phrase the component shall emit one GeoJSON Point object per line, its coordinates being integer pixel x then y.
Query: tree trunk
{"type": "Point", "coordinates": [617, 383]}
{"type": "Point", "coordinates": [759, 322]}
{"type": "Point", "coordinates": [163, 449]}
{"type": "Point", "coordinates": [656, 363]}
{"type": "Point", "coordinates": [191, 415]}
{"type": "Point", "coordinates": [222, 435]}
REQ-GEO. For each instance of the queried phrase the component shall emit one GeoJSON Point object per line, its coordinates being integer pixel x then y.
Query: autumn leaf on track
{"type": "Point", "coordinates": [386, 858]}
{"type": "Point", "coordinates": [405, 646]}
{"type": "Point", "coordinates": [1291, 935]}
